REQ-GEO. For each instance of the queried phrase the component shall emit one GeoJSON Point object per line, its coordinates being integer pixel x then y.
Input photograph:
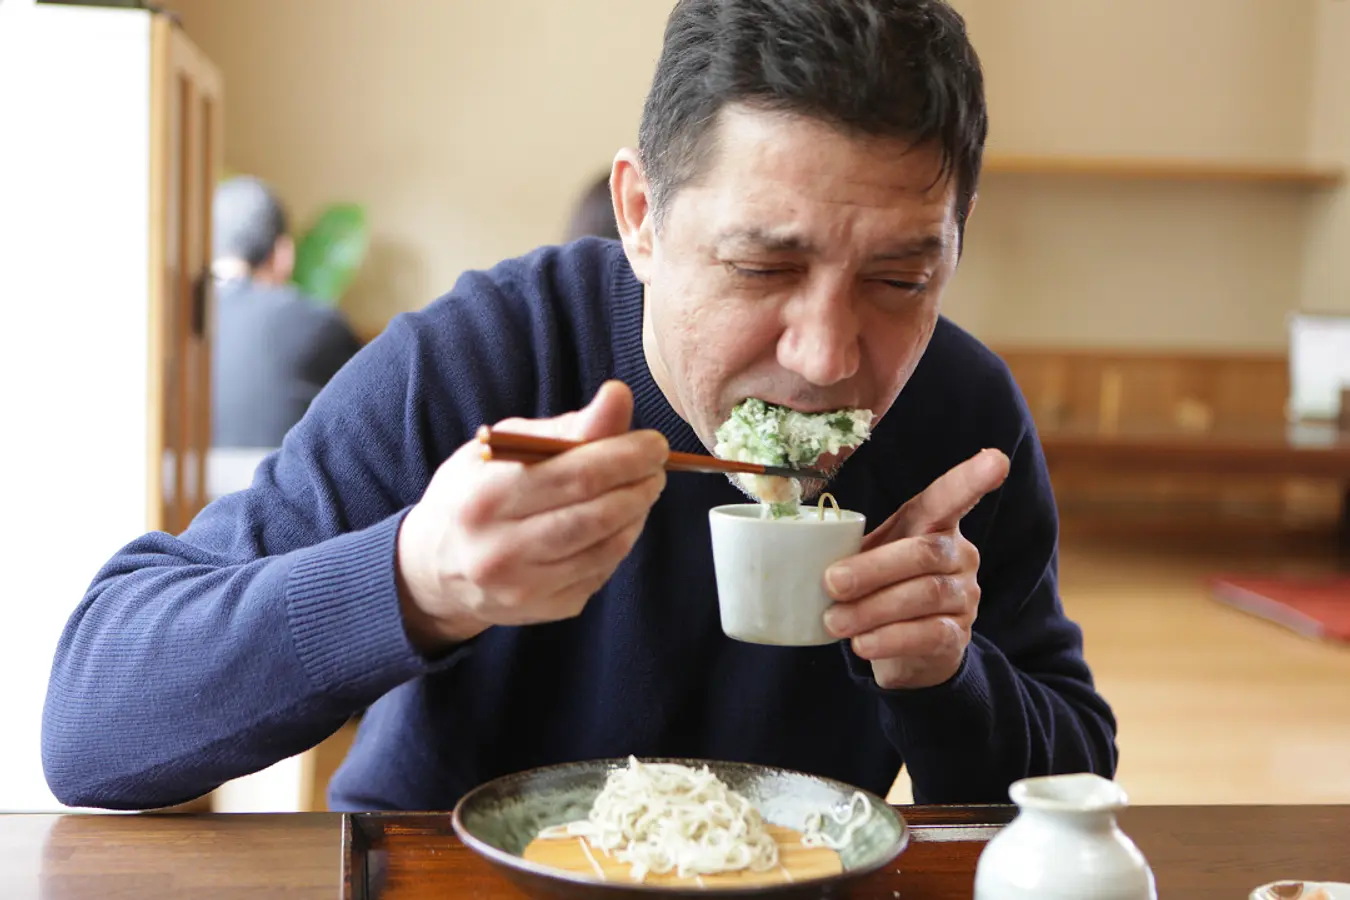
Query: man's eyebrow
{"type": "Point", "coordinates": [764, 241]}
{"type": "Point", "coordinates": [926, 246]}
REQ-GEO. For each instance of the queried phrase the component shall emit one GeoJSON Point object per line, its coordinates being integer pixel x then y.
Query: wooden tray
{"type": "Point", "coordinates": [416, 856]}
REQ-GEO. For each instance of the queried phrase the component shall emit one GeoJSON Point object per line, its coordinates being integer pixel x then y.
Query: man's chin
{"type": "Point", "coordinates": [812, 488]}
{"type": "Point", "coordinates": [829, 465]}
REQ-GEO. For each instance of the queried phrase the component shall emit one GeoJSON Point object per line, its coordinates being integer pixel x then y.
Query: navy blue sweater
{"type": "Point", "coordinates": [274, 618]}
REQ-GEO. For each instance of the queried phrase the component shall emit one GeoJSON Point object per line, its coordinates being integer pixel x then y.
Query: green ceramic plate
{"type": "Point", "coordinates": [498, 819]}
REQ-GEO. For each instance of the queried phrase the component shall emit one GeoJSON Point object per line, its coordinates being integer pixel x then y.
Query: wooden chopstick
{"type": "Point", "coordinates": [527, 448]}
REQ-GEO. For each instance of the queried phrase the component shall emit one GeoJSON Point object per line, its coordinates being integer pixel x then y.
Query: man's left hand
{"type": "Point", "coordinates": [909, 599]}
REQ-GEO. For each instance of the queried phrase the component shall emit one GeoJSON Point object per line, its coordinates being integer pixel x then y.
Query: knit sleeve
{"type": "Point", "coordinates": [274, 617]}
{"type": "Point", "coordinates": [1023, 701]}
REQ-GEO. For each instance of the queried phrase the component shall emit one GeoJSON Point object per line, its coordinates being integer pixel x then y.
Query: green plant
{"type": "Point", "coordinates": [329, 254]}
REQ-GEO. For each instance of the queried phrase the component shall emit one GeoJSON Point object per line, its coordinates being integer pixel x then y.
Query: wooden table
{"type": "Point", "coordinates": [1196, 852]}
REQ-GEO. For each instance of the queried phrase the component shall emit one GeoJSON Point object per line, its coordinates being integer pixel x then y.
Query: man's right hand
{"type": "Point", "coordinates": [499, 543]}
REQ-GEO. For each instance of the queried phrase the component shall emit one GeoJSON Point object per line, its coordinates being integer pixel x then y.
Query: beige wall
{"type": "Point", "coordinates": [1327, 269]}
{"type": "Point", "coordinates": [466, 127]}
{"type": "Point", "coordinates": [1097, 262]}
{"type": "Point", "coordinates": [1211, 78]}
{"type": "Point", "coordinates": [469, 127]}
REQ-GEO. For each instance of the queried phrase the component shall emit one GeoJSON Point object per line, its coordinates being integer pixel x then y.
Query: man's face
{"type": "Point", "coordinates": [801, 266]}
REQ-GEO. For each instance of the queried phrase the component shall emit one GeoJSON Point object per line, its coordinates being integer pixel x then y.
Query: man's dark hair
{"type": "Point", "coordinates": [247, 219]}
{"type": "Point", "coordinates": [901, 69]}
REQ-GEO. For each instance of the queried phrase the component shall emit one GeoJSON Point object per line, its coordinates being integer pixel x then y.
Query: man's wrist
{"type": "Point", "coordinates": [430, 634]}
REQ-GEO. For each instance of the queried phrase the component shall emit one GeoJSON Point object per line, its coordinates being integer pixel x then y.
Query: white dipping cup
{"type": "Point", "coordinates": [771, 572]}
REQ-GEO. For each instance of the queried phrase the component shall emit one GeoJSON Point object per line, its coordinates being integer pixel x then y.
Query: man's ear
{"type": "Point", "coordinates": [965, 223]}
{"type": "Point", "coordinates": [633, 211]}
{"type": "Point", "coordinates": [279, 266]}
{"type": "Point", "coordinates": [283, 259]}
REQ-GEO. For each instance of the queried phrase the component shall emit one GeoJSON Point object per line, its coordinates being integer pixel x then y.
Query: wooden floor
{"type": "Point", "coordinates": [1214, 706]}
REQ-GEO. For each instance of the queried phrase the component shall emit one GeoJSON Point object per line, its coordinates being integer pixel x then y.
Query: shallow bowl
{"type": "Point", "coordinates": [500, 818]}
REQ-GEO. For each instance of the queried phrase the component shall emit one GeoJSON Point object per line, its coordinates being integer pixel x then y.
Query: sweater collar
{"type": "Point", "coordinates": [652, 410]}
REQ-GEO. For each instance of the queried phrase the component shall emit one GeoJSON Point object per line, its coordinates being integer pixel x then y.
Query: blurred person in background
{"type": "Point", "coordinates": [274, 348]}
{"type": "Point", "coordinates": [593, 215]}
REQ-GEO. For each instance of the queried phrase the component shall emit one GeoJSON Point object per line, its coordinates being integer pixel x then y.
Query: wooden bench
{"type": "Point", "coordinates": [1318, 452]}
{"type": "Point", "coordinates": [1183, 437]}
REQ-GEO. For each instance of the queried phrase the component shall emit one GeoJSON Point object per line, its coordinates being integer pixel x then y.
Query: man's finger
{"type": "Point", "coordinates": [582, 474]}
{"type": "Point", "coordinates": [595, 565]}
{"type": "Point", "coordinates": [916, 639]}
{"type": "Point", "coordinates": [893, 562]}
{"type": "Point", "coordinates": [945, 502]}
{"type": "Point", "coordinates": [609, 413]}
{"type": "Point", "coordinates": [566, 531]}
{"type": "Point", "coordinates": [917, 598]}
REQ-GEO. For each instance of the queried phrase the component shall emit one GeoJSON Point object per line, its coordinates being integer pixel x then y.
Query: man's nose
{"type": "Point", "coordinates": [820, 337]}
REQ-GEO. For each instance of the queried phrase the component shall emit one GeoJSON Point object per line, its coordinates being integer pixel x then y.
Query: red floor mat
{"type": "Point", "coordinates": [1315, 607]}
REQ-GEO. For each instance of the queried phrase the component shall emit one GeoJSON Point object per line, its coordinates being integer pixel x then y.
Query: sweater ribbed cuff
{"type": "Point", "coordinates": [968, 688]}
{"type": "Point", "coordinates": [345, 619]}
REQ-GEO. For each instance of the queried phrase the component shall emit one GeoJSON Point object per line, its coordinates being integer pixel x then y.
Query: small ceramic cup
{"type": "Point", "coordinates": [771, 572]}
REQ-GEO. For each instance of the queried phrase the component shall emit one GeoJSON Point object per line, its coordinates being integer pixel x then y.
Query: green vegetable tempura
{"type": "Point", "coordinates": [772, 435]}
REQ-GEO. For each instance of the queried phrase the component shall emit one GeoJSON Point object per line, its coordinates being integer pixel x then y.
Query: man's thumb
{"type": "Point", "coordinates": [609, 413]}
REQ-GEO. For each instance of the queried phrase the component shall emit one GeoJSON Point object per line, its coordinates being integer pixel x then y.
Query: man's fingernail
{"type": "Point", "coordinates": [839, 580]}
{"type": "Point", "coordinates": [836, 622]}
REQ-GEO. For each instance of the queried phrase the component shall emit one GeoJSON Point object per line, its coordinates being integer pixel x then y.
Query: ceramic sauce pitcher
{"type": "Point", "coordinates": [1064, 843]}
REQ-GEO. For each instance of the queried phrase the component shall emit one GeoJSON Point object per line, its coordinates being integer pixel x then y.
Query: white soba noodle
{"type": "Point", "coordinates": [851, 819]}
{"type": "Point", "coordinates": [662, 817]}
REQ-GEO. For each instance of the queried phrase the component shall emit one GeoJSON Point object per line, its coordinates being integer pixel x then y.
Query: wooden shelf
{"type": "Point", "coordinates": [1165, 169]}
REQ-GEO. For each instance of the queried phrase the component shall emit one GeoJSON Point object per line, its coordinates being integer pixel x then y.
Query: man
{"type": "Point", "coordinates": [789, 220]}
{"type": "Point", "coordinates": [274, 348]}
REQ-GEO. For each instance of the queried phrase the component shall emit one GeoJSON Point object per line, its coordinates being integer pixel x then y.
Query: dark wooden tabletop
{"type": "Point", "coordinates": [1195, 852]}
